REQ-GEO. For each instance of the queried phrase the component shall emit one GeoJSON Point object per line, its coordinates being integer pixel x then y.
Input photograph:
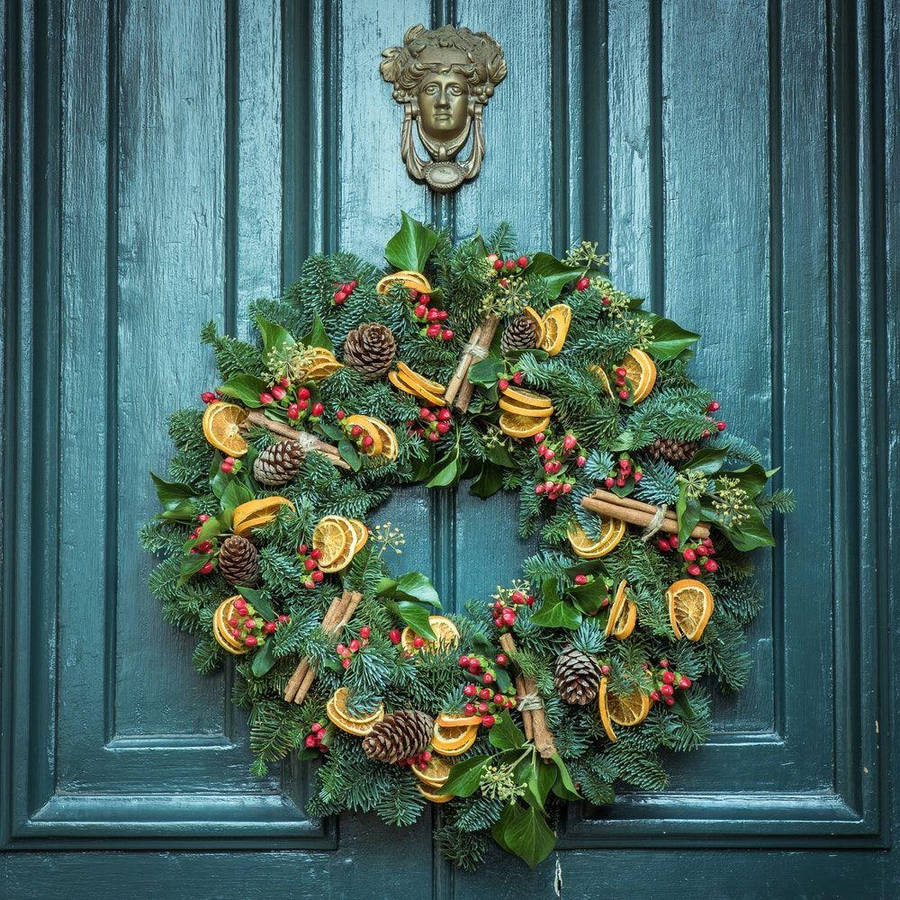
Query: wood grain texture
{"type": "Point", "coordinates": [164, 164]}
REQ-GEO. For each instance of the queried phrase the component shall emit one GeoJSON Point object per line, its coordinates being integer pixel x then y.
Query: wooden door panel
{"type": "Point", "coordinates": [168, 163]}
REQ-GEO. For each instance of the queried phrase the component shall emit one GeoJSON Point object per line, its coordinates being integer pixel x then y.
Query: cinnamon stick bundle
{"type": "Point", "coordinates": [605, 503]}
{"type": "Point", "coordinates": [309, 441]}
{"type": "Point", "coordinates": [338, 615]}
{"type": "Point", "coordinates": [460, 388]}
{"type": "Point", "coordinates": [534, 720]}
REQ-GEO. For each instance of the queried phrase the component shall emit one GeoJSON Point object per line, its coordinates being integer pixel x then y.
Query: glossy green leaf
{"type": "Point", "coordinates": [558, 614]}
{"type": "Point", "coordinates": [505, 734]}
{"type": "Point", "coordinates": [245, 388]}
{"type": "Point", "coordinates": [274, 336]}
{"type": "Point", "coordinates": [524, 832]}
{"type": "Point", "coordinates": [263, 659]}
{"type": "Point", "coordinates": [668, 339]}
{"type": "Point", "coordinates": [465, 776]}
{"type": "Point", "coordinates": [411, 246]}
{"type": "Point", "coordinates": [318, 336]}
{"type": "Point", "coordinates": [416, 586]}
{"type": "Point", "coordinates": [349, 454]}
{"type": "Point", "coordinates": [555, 273]}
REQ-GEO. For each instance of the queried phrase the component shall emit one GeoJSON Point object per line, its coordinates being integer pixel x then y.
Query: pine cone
{"type": "Point", "coordinates": [577, 676]}
{"type": "Point", "coordinates": [519, 334]}
{"type": "Point", "coordinates": [239, 561]}
{"type": "Point", "coordinates": [278, 464]}
{"type": "Point", "coordinates": [671, 450]}
{"type": "Point", "coordinates": [398, 736]}
{"type": "Point", "coordinates": [370, 349]}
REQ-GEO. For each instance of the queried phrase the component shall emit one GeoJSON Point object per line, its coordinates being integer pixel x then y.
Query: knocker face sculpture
{"type": "Point", "coordinates": [444, 79]}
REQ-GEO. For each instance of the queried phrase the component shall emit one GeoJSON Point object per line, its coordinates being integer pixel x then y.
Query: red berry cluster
{"type": "Point", "coordinates": [311, 559]}
{"type": "Point", "coordinates": [250, 628]}
{"type": "Point", "coordinates": [514, 266]}
{"type": "Point", "coordinates": [420, 761]}
{"type": "Point", "coordinates": [431, 425]}
{"type": "Point", "coordinates": [208, 397]}
{"type": "Point", "coordinates": [624, 474]}
{"type": "Point", "coordinates": [348, 651]}
{"type": "Point", "coordinates": [555, 455]}
{"type": "Point", "coordinates": [230, 464]}
{"type": "Point", "coordinates": [355, 434]}
{"type": "Point", "coordinates": [621, 383]}
{"type": "Point", "coordinates": [315, 739]}
{"type": "Point", "coordinates": [343, 292]}
{"type": "Point", "coordinates": [696, 556]}
{"type": "Point", "coordinates": [485, 701]}
{"type": "Point", "coordinates": [430, 317]}
{"type": "Point", "coordinates": [297, 404]}
{"type": "Point", "coordinates": [712, 407]}
{"type": "Point", "coordinates": [204, 546]}
{"type": "Point", "coordinates": [504, 611]}
{"type": "Point", "coordinates": [667, 682]}
{"type": "Point", "coordinates": [514, 377]}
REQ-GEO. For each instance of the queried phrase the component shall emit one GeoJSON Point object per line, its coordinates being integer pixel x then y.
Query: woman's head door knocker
{"type": "Point", "coordinates": [444, 79]}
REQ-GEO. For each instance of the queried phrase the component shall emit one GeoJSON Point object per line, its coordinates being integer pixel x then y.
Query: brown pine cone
{"type": "Point", "coordinates": [278, 464]}
{"type": "Point", "coordinates": [671, 450]}
{"type": "Point", "coordinates": [370, 349]}
{"type": "Point", "coordinates": [399, 735]}
{"type": "Point", "coordinates": [239, 561]}
{"type": "Point", "coordinates": [577, 677]}
{"type": "Point", "coordinates": [519, 334]}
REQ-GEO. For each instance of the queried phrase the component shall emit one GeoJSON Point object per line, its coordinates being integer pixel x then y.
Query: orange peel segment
{"type": "Point", "coordinates": [518, 426]}
{"type": "Point", "coordinates": [436, 774]}
{"type": "Point", "coordinates": [453, 740]}
{"type": "Point", "coordinates": [397, 380]}
{"type": "Point", "coordinates": [529, 412]}
{"type": "Point", "coordinates": [523, 397]}
{"type": "Point", "coordinates": [358, 728]}
{"type": "Point", "coordinates": [335, 537]}
{"type": "Point", "coordinates": [617, 608]}
{"type": "Point", "coordinates": [222, 427]}
{"type": "Point", "coordinates": [531, 313]}
{"type": "Point", "coordinates": [255, 513]}
{"type": "Point", "coordinates": [434, 798]}
{"type": "Point", "coordinates": [690, 603]}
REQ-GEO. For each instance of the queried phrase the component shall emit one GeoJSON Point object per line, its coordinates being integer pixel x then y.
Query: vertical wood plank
{"type": "Point", "coordinates": [171, 280]}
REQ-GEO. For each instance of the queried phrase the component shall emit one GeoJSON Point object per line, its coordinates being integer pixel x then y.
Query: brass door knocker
{"type": "Point", "coordinates": [444, 79]}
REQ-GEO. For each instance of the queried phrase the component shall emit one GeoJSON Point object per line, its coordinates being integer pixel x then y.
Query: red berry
{"type": "Point", "coordinates": [664, 663]}
{"type": "Point", "coordinates": [447, 334]}
{"type": "Point", "coordinates": [689, 554]}
{"type": "Point", "coordinates": [443, 427]}
{"type": "Point", "coordinates": [693, 570]}
{"type": "Point", "coordinates": [673, 541]}
{"type": "Point", "coordinates": [265, 397]}
{"type": "Point", "coordinates": [302, 404]}
{"type": "Point", "coordinates": [309, 583]}
{"type": "Point", "coordinates": [482, 707]}
{"type": "Point", "coordinates": [503, 384]}
{"type": "Point", "coordinates": [705, 433]}
{"type": "Point", "coordinates": [711, 565]}
{"type": "Point", "coordinates": [663, 545]}
{"type": "Point", "coordinates": [668, 677]}
{"type": "Point", "coordinates": [667, 690]}
{"type": "Point", "coordinates": [309, 564]}
{"type": "Point", "coordinates": [421, 311]}
{"type": "Point", "coordinates": [502, 659]}
{"type": "Point", "coordinates": [720, 426]}
{"type": "Point", "coordinates": [354, 645]}
{"type": "Point", "coordinates": [498, 700]}
{"type": "Point", "coordinates": [582, 284]}
{"type": "Point", "coordinates": [227, 467]}
{"type": "Point", "coordinates": [523, 262]}
{"type": "Point", "coordinates": [685, 682]}
{"type": "Point", "coordinates": [251, 640]}
{"type": "Point", "coordinates": [394, 635]}
{"type": "Point", "coordinates": [204, 546]}
{"type": "Point", "coordinates": [713, 406]}
{"type": "Point", "coordinates": [654, 695]}
{"type": "Point", "coordinates": [487, 721]}
{"type": "Point", "coordinates": [345, 663]}
{"type": "Point", "coordinates": [474, 666]}
{"type": "Point", "coordinates": [470, 690]}
{"type": "Point", "coordinates": [518, 377]}
{"type": "Point", "coordinates": [609, 481]}
{"type": "Point", "coordinates": [367, 441]}
{"type": "Point", "coordinates": [464, 661]}
{"type": "Point", "coordinates": [270, 627]}
{"type": "Point", "coordinates": [364, 632]}
{"type": "Point", "coordinates": [604, 669]}
{"type": "Point", "coordinates": [498, 264]}
{"type": "Point", "coordinates": [303, 394]}
{"type": "Point", "coordinates": [510, 265]}
{"type": "Point", "coordinates": [581, 579]}
{"type": "Point", "coordinates": [318, 576]}
{"type": "Point", "coordinates": [623, 394]}
{"type": "Point", "coordinates": [208, 397]}
{"type": "Point", "coordinates": [487, 678]}
{"type": "Point", "coordinates": [277, 392]}
{"type": "Point", "coordinates": [317, 409]}
{"type": "Point", "coordinates": [206, 568]}
{"type": "Point", "coordinates": [433, 435]}
{"type": "Point", "coordinates": [485, 693]}
{"type": "Point", "coordinates": [418, 641]}
{"type": "Point", "coordinates": [469, 709]}
{"type": "Point", "coordinates": [293, 411]}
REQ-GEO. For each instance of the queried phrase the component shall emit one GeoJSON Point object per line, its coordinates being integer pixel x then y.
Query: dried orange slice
{"type": "Point", "coordinates": [222, 427]}
{"type": "Point", "coordinates": [434, 798]}
{"type": "Point", "coordinates": [255, 513]}
{"type": "Point", "coordinates": [368, 428]}
{"type": "Point", "coordinates": [604, 379]}
{"type": "Point", "coordinates": [335, 537]}
{"type": "Point", "coordinates": [628, 711]}
{"type": "Point", "coordinates": [621, 624]}
{"type": "Point", "coordinates": [436, 774]}
{"type": "Point", "coordinates": [538, 323]}
{"type": "Point", "coordinates": [339, 699]}
{"type": "Point", "coordinates": [523, 397]}
{"type": "Point", "coordinates": [360, 532]}
{"type": "Point", "coordinates": [399, 382]}
{"type": "Point", "coordinates": [414, 280]}
{"type": "Point", "coordinates": [222, 630]}
{"type": "Point", "coordinates": [617, 609]}
{"type": "Point", "coordinates": [556, 321]}
{"type": "Point", "coordinates": [453, 740]}
{"type": "Point", "coordinates": [529, 412]}
{"type": "Point", "coordinates": [641, 373]}
{"type": "Point", "coordinates": [444, 630]}
{"type": "Point", "coordinates": [690, 605]}
{"type": "Point", "coordinates": [389, 446]}
{"type": "Point", "coordinates": [358, 726]}
{"type": "Point", "coordinates": [518, 426]}
{"type": "Point", "coordinates": [454, 720]}
{"type": "Point", "coordinates": [611, 532]}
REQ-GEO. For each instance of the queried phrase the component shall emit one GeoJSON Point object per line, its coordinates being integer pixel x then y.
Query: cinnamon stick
{"type": "Point", "coordinates": [534, 720]}
{"type": "Point", "coordinates": [462, 367]}
{"type": "Point", "coordinates": [642, 517]}
{"type": "Point", "coordinates": [485, 338]}
{"type": "Point", "coordinates": [309, 441]}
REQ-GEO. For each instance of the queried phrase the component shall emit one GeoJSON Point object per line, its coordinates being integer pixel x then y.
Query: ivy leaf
{"type": "Point", "coordinates": [263, 659]}
{"type": "Point", "coordinates": [588, 597]}
{"type": "Point", "coordinates": [411, 246]}
{"type": "Point", "coordinates": [465, 776]}
{"type": "Point", "coordinates": [234, 495]}
{"type": "Point", "coordinates": [751, 478]}
{"type": "Point", "coordinates": [416, 586]}
{"type": "Point", "coordinates": [245, 388]}
{"type": "Point", "coordinates": [709, 460]}
{"type": "Point", "coordinates": [668, 339]}
{"type": "Point", "coordinates": [555, 273]}
{"type": "Point", "coordinates": [540, 779]}
{"type": "Point", "coordinates": [349, 455]}
{"type": "Point", "coordinates": [557, 614]}
{"type": "Point", "coordinates": [171, 493]}
{"type": "Point", "coordinates": [446, 475]}
{"type": "Point", "coordinates": [524, 832]}
{"type": "Point", "coordinates": [318, 336]}
{"type": "Point", "coordinates": [505, 734]}
{"type": "Point", "coordinates": [489, 481]}
{"type": "Point", "coordinates": [751, 533]}
{"type": "Point", "coordinates": [486, 371]}
{"type": "Point", "coordinates": [274, 336]}
{"type": "Point", "coordinates": [499, 455]}
{"type": "Point", "coordinates": [565, 787]}
{"type": "Point", "coordinates": [417, 619]}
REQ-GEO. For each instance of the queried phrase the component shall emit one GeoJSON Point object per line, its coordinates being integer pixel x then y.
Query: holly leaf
{"type": "Point", "coordinates": [465, 776]}
{"type": "Point", "coordinates": [668, 339]}
{"type": "Point", "coordinates": [505, 734]}
{"type": "Point", "coordinates": [411, 246]}
{"type": "Point", "coordinates": [245, 388]}
{"type": "Point", "coordinates": [349, 454]}
{"type": "Point", "coordinates": [274, 336]}
{"type": "Point", "coordinates": [489, 481]}
{"type": "Point", "coordinates": [555, 273]}
{"type": "Point", "coordinates": [263, 659]}
{"type": "Point", "coordinates": [525, 833]}
{"type": "Point", "coordinates": [318, 336]}
{"type": "Point", "coordinates": [557, 614]}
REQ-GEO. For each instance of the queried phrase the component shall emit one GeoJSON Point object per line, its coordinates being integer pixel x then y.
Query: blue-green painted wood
{"type": "Point", "coordinates": [166, 164]}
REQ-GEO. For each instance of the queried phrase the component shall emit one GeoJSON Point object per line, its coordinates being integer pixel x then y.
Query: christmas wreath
{"type": "Point", "coordinates": [468, 361]}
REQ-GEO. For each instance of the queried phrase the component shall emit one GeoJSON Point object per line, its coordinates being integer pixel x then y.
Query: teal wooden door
{"type": "Point", "coordinates": [165, 163]}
